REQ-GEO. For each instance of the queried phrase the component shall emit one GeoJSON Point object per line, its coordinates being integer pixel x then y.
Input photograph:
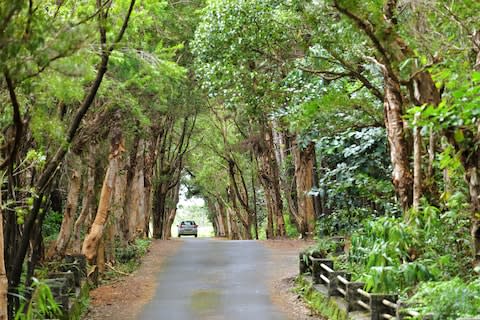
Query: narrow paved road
{"type": "Point", "coordinates": [211, 279]}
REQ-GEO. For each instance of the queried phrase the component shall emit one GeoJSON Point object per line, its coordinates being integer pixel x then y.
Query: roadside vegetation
{"type": "Point", "coordinates": [310, 119]}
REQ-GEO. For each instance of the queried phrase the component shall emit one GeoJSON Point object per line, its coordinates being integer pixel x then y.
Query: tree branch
{"type": "Point", "coordinates": [359, 76]}
{"type": "Point", "coordinates": [54, 163]}
{"type": "Point", "coordinates": [325, 74]}
{"type": "Point", "coordinates": [369, 30]}
{"type": "Point", "coordinates": [17, 122]}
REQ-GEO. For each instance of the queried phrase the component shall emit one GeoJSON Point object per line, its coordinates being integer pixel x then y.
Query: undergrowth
{"type": "Point", "coordinates": [128, 258]}
{"type": "Point", "coordinates": [425, 257]}
{"type": "Point", "coordinates": [317, 302]}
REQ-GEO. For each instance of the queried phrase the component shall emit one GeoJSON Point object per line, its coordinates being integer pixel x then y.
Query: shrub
{"type": "Point", "coordinates": [41, 306]}
{"type": "Point", "coordinates": [448, 299]}
{"type": "Point", "coordinates": [132, 251]}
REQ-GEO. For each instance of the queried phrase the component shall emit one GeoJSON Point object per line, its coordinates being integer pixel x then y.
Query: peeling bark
{"type": "Point", "coordinates": [69, 214]}
{"type": "Point", "coordinates": [304, 166]}
{"type": "Point", "coordinates": [393, 109]}
{"type": "Point", "coordinates": [118, 206]}
{"type": "Point", "coordinates": [88, 201]}
{"type": "Point", "coordinates": [91, 242]}
{"type": "Point", "coordinates": [136, 195]}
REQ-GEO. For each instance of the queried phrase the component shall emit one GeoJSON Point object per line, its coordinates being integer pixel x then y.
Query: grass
{"type": "Point", "coordinates": [318, 303]}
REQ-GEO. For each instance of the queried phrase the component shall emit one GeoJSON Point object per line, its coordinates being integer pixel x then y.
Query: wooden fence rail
{"type": "Point", "coordinates": [338, 283]}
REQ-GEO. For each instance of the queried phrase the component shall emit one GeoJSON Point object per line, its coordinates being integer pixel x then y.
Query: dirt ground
{"type": "Point", "coordinates": [125, 298]}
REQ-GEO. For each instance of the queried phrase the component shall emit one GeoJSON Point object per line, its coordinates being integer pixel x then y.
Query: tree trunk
{"type": "Point", "coordinates": [304, 166]}
{"type": "Point", "coordinates": [90, 244]}
{"type": "Point", "coordinates": [287, 180]}
{"type": "Point", "coordinates": [242, 197]}
{"type": "Point", "coordinates": [136, 194]}
{"type": "Point", "coordinates": [255, 213]}
{"type": "Point", "coordinates": [424, 92]}
{"type": "Point", "coordinates": [222, 221]}
{"type": "Point", "coordinates": [69, 214]}
{"type": "Point", "coordinates": [233, 226]}
{"type": "Point", "coordinates": [317, 200]}
{"type": "Point", "coordinates": [417, 165]}
{"type": "Point", "coordinates": [472, 176]}
{"type": "Point", "coordinates": [100, 256]}
{"type": "Point", "coordinates": [270, 179]}
{"type": "Point", "coordinates": [109, 239]}
{"type": "Point", "coordinates": [3, 271]}
{"type": "Point", "coordinates": [399, 155]}
{"type": "Point", "coordinates": [159, 210]}
{"type": "Point", "coordinates": [119, 203]}
{"type": "Point", "coordinates": [171, 211]}
{"type": "Point", "coordinates": [87, 203]}
{"type": "Point", "coordinates": [149, 164]}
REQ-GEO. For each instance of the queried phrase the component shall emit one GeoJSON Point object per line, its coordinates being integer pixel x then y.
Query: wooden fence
{"type": "Point", "coordinates": [69, 287]}
{"type": "Point", "coordinates": [338, 283]}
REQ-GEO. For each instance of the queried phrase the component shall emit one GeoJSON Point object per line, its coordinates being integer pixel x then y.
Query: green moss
{"type": "Point", "coordinates": [319, 303]}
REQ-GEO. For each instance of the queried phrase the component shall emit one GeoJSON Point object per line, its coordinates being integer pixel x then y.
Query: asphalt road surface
{"type": "Point", "coordinates": [211, 279]}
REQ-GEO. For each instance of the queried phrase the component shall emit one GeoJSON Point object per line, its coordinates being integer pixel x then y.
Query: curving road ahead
{"type": "Point", "coordinates": [211, 279]}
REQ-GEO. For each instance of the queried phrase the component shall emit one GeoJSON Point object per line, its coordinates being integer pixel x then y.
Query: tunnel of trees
{"type": "Point", "coordinates": [290, 118]}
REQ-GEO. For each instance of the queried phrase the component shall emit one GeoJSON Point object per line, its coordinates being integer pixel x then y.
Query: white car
{"type": "Point", "coordinates": [187, 228]}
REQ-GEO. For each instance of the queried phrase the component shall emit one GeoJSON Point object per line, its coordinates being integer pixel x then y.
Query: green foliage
{"type": "Point", "coordinates": [323, 248]}
{"type": "Point", "coordinates": [342, 222]}
{"type": "Point", "coordinates": [130, 255]}
{"type": "Point", "coordinates": [354, 179]}
{"type": "Point", "coordinates": [448, 300]}
{"type": "Point", "coordinates": [290, 228]}
{"type": "Point", "coordinates": [391, 255]}
{"type": "Point", "coordinates": [51, 225]}
{"type": "Point", "coordinates": [383, 251]}
{"type": "Point", "coordinates": [41, 306]}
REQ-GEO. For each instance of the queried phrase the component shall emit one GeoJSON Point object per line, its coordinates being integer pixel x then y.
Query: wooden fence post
{"type": "Point", "coordinates": [317, 270]}
{"type": "Point", "coordinates": [77, 263]}
{"type": "Point", "coordinates": [377, 307]}
{"type": "Point", "coordinates": [333, 285]}
{"type": "Point", "coordinates": [353, 296]}
{"type": "Point", "coordinates": [302, 264]}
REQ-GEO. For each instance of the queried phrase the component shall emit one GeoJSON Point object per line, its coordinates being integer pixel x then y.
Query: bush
{"type": "Point", "coordinates": [132, 251]}
{"type": "Point", "coordinates": [382, 256]}
{"type": "Point", "coordinates": [290, 228]}
{"type": "Point", "coordinates": [51, 225]}
{"type": "Point", "coordinates": [41, 306]}
{"type": "Point", "coordinates": [342, 222]}
{"type": "Point", "coordinates": [448, 299]}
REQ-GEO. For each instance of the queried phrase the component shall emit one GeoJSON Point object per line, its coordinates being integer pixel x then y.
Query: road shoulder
{"type": "Point", "coordinates": [284, 269]}
{"type": "Point", "coordinates": [125, 298]}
